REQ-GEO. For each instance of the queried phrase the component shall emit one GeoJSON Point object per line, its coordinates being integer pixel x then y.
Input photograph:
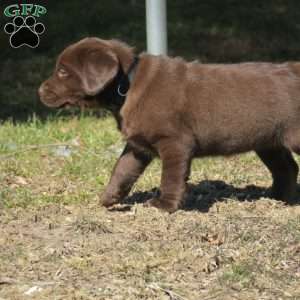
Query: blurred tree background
{"type": "Point", "coordinates": [209, 30]}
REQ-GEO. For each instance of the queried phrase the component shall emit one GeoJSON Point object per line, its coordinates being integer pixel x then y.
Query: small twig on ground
{"type": "Point", "coordinates": [171, 294]}
{"type": "Point", "coordinates": [44, 283]}
{"type": "Point", "coordinates": [7, 280]}
{"type": "Point", "coordinates": [213, 296]}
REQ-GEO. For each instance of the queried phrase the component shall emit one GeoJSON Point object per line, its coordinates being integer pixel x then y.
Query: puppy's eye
{"type": "Point", "coordinates": [62, 73]}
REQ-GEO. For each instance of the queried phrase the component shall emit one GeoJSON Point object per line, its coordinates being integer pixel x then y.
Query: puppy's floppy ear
{"type": "Point", "coordinates": [99, 67]}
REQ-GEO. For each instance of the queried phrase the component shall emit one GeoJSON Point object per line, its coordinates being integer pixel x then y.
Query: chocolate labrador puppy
{"type": "Point", "coordinates": [180, 110]}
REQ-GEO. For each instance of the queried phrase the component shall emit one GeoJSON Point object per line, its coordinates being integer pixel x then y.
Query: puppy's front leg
{"type": "Point", "coordinates": [128, 168]}
{"type": "Point", "coordinates": [176, 161]}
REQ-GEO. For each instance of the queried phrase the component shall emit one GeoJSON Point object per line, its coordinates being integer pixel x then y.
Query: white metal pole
{"type": "Point", "coordinates": [156, 15]}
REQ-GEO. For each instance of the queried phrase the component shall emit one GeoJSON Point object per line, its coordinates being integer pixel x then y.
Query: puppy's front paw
{"type": "Point", "coordinates": [163, 205]}
{"type": "Point", "coordinates": [108, 200]}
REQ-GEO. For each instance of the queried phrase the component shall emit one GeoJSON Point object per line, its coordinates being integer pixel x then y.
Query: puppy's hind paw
{"type": "Point", "coordinates": [162, 205]}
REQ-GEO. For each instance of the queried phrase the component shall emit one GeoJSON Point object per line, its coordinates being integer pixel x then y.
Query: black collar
{"type": "Point", "coordinates": [114, 95]}
{"type": "Point", "coordinates": [126, 79]}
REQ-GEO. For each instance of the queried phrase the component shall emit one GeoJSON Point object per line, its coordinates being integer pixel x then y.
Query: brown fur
{"type": "Point", "coordinates": [179, 110]}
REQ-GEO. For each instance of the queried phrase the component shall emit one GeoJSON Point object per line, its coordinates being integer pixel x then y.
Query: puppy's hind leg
{"type": "Point", "coordinates": [284, 169]}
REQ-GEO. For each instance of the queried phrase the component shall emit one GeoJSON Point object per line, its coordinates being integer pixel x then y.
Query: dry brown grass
{"type": "Point", "coordinates": [236, 250]}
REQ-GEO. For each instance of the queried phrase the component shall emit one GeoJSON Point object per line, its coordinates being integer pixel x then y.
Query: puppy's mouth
{"type": "Point", "coordinates": [80, 103]}
{"type": "Point", "coordinates": [59, 103]}
{"type": "Point", "coordinates": [54, 101]}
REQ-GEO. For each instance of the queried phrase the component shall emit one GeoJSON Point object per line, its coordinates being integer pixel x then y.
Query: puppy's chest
{"type": "Point", "coordinates": [131, 127]}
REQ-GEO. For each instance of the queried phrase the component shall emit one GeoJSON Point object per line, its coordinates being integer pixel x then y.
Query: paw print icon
{"type": "Point", "coordinates": [24, 32]}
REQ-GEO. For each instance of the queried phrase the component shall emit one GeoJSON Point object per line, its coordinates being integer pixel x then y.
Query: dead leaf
{"type": "Point", "coordinates": [20, 180]}
{"type": "Point", "coordinates": [211, 264]}
{"type": "Point", "coordinates": [214, 239]}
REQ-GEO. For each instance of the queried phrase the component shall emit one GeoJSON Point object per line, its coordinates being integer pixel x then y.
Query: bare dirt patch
{"type": "Point", "coordinates": [235, 250]}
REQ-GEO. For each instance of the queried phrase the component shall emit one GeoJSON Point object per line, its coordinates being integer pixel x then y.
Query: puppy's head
{"type": "Point", "coordinates": [82, 71]}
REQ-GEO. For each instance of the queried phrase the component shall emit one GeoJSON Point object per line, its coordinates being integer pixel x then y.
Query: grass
{"type": "Point", "coordinates": [56, 242]}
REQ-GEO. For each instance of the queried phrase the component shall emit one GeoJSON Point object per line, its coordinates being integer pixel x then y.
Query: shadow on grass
{"type": "Point", "coordinates": [203, 195]}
